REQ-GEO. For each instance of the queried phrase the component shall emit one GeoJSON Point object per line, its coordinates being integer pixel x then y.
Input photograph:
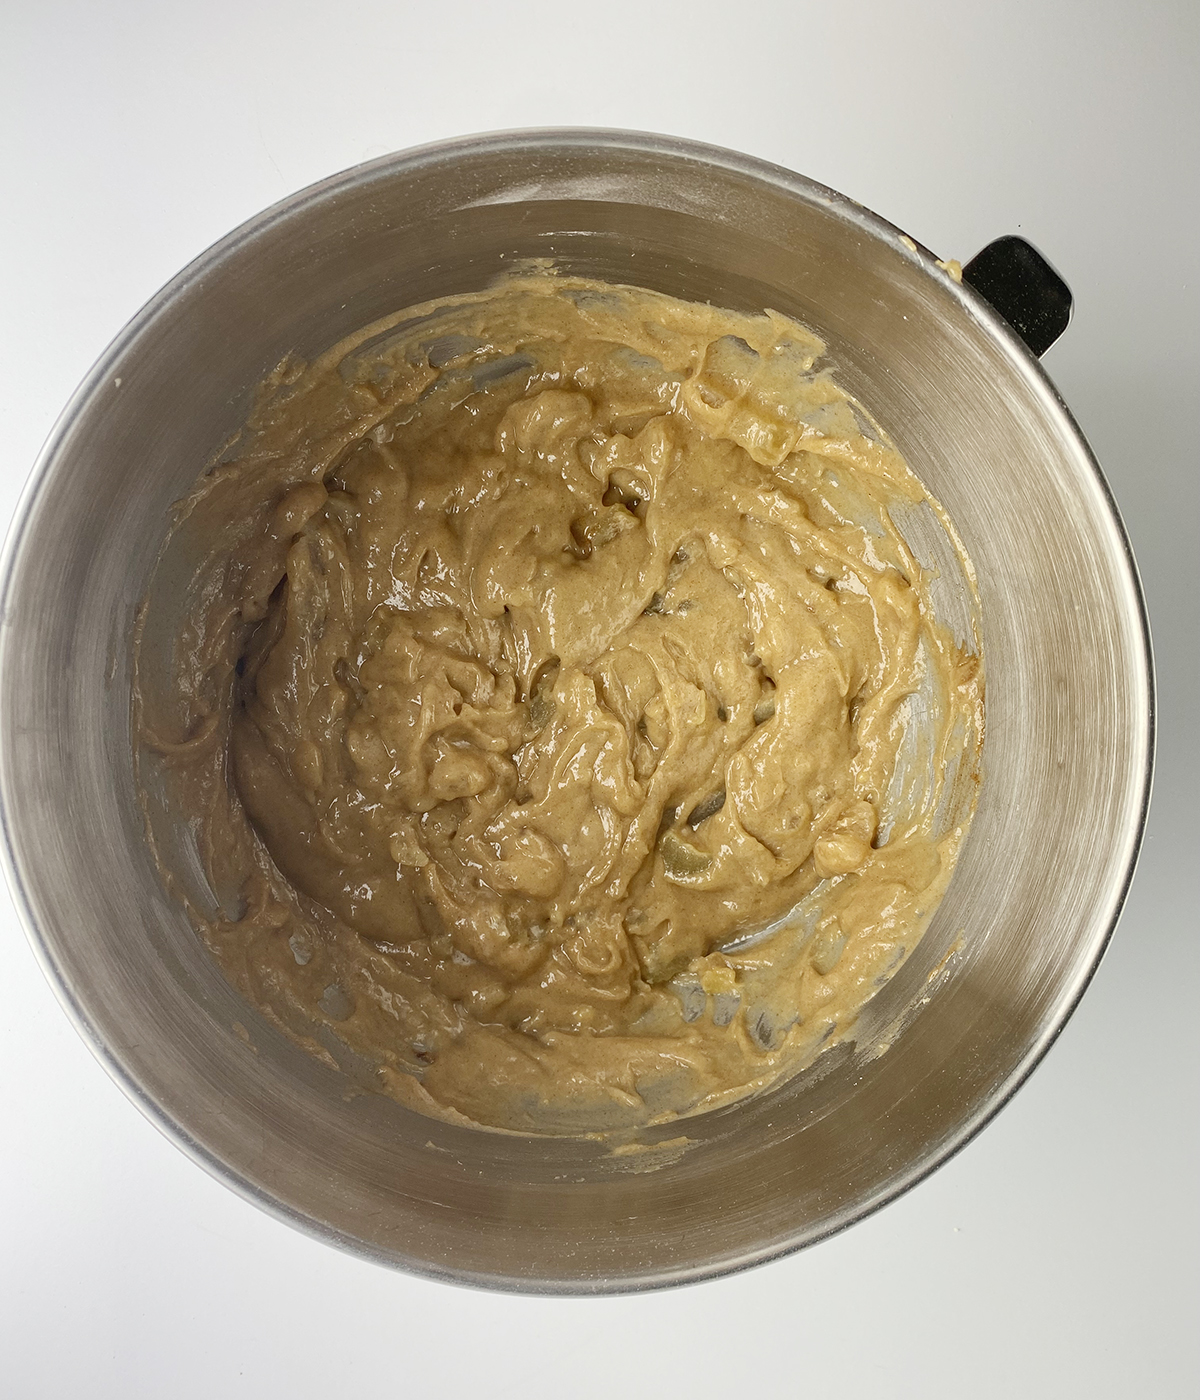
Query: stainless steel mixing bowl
{"type": "Point", "coordinates": [1067, 756]}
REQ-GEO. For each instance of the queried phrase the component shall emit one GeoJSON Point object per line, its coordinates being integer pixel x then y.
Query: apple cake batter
{"type": "Point", "coordinates": [542, 705]}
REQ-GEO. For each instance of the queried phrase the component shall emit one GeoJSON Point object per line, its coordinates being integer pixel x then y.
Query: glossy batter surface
{"type": "Point", "coordinates": [561, 713]}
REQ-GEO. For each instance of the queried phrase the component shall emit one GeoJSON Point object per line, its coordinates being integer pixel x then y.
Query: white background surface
{"type": "Point", "coordinates": [1057, 1255]}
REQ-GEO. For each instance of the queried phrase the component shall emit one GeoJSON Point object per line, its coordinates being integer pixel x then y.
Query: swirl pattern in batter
{"type": "Point", "coordinates": [546, 682]}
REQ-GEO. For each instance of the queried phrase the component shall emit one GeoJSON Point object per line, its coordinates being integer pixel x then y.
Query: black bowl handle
{"type": "Point", "coordinates": [1013, 277]}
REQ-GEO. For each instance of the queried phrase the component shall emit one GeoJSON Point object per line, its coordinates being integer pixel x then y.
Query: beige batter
{"type": "Point", "coordinates": [540, 706]}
